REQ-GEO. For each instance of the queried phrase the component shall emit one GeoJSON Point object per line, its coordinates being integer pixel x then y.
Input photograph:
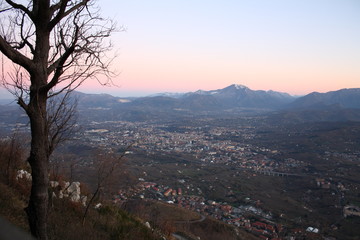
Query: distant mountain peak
{"type": "Point", "coordinates": [344, 98]}
{"type": "Point", "coordinates": [239, 86]}
{"type": "Point", "coordinates": [200, 92]}
{"type": "Point", "coordinates": [167, 94]}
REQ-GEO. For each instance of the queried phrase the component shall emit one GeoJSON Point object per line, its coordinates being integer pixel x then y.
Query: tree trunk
{"type": "Point", "coordinates": [39, 162]}
{"type": "Point", "coordinates": [53, 34]}
{"type": "Point", "coordinates": [37, 111]}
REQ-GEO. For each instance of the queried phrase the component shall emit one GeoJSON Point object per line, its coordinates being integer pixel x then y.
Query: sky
{"type": "Point", "coordinates": [290, 46]}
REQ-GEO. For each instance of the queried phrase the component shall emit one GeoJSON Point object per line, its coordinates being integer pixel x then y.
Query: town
{"type": "Point", "coordinates": [192, 149]}
{"type": "Point", "coordinates": [235, 171]}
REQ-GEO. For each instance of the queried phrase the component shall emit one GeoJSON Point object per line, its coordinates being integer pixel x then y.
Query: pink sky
{"type": "Point", "coordinates": [291, 46]}
{"type": "Point", "coordinates": [182, 45]}
{"type": "Point", "coordinates": [183, 72]}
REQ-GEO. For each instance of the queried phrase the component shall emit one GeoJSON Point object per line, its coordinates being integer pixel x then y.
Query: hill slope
{"type": "Point", "coordinates": [344, 98]}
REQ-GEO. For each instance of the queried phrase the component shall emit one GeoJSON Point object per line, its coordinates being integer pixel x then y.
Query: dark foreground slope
{"type": "Point", "coordinates": [65, 219]}
{"type": "Point", "coordinates": [184, 222]}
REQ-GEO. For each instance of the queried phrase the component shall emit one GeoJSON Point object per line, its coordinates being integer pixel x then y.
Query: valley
{"type": "Point", "coordinates": [267, 172]}
{"type": "Point", "coordinates": [239, 170]}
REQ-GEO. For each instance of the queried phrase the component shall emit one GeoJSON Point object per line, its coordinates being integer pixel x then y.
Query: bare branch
{"type": "Point", "coordinates": [82, 52]}
{"type": "Point", "coordinates": [5, 9]}
{"type": "Point", "coordinates": [26, 36]}
{"type": "Point", "coordinates": [106, 165]}
{"type": "Point", "coordinates": [59, 64]}
{"type": "Point", "coordinates": [52, 46]}
{"type": "Point", "coordinates": [61, 119]}
{"type": "Point", "coordinates": [20, 7]}
{"type": "Point", "coordinates": [16, 85]}
{"type": "Point", "coordinates": [63, 13]}
{"type": "Point", "coordinates": [22, 103]}
{"type": "Point", "coordinates": [15, 55]}
{"type": "Point", "coordinates": [56, 6]}
{"type": "Point", "coordinates": [61, 7]}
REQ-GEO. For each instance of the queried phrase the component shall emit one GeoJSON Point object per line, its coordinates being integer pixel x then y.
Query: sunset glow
{"type": "Point", "coordinates": [179, 46]}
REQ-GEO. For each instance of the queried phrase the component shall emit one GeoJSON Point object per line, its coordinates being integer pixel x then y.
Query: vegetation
{"type": "Point", "coordinates": [54, 46]}
{"type": "Point", "coordinates": [186, 223]}
{"type": "Point", "coordinates": [65, 217]}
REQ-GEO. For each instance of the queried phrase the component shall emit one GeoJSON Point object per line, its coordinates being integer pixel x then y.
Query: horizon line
{"type": "Point", "coordinates": [132, 93]}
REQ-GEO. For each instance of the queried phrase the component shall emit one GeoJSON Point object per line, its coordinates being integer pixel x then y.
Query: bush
{"type": "Point", "coordinates": [11, 159]}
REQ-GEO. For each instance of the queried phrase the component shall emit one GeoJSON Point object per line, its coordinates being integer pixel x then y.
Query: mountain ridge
{"type": "Point", "coordinates": [233, 96]}
{"type": "Point", "coordinates": [240, 96]}
{"type": "Point", "coordinates": [234, 100]}
{"type": "Point", "coordinates": [344, 98]}
{"type": "Point", "coordinates": [237, 100]}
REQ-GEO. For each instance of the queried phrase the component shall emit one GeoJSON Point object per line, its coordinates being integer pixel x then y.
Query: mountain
{"type": "Point", "coordinates": [315, 115]}
{"type": "Point", "coordinates": [231, 97]}
{"type": "Point", "coordinates": [335, 106]}
{"type": "Point", "coordinates": [94, 100]}
{"type": "Point", "coordinates": [7, 102]}
{"type": "Point", "coordinates": [344, 98]}
{"type": "Point", "coordinates": [341, 105]}
{"type": "Point", "coordinates": [234, 100]}
{"type": "Point", "coordinates": [242, 96]}
{"type": "Point", "coordinates": [167, 94]}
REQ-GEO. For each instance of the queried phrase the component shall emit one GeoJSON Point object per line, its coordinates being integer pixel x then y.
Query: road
{"type": "Point", "coordinates": [178, 237]}
{"type": "Point", "coordinates": [193, 221]}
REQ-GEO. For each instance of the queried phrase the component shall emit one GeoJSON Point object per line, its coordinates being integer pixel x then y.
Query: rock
{"type": "Point", "coordinates": [23, 174]}
{"type": "Point", "coordinates": [147, 224]}
{"type": "Point", "coordinates": [54, 184]}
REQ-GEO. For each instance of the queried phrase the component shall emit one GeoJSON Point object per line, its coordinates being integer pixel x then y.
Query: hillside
{"type": "Point", "coordinates": [107, 222]}
{"type": "Point", "coordinates": [65, 216]}
{"type": "Point", "coordinates": [185, 222]}
{"type": "Point", "coordinates": [112, 223]}
{"type": "Point", "coordinates": [65, 219]}
{"type": "Point", "coordinates": [343, 98]}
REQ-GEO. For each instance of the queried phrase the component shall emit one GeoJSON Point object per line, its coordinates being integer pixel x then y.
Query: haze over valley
{"type": "Point", "coordinates": [266, 163]}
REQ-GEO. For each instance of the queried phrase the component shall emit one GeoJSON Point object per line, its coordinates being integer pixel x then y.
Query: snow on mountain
{"type": "Point", "coordinates": [239, 86]}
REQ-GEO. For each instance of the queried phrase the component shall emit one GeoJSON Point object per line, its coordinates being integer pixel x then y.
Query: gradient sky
{"type": "Point", "coordinates": [184, 45]}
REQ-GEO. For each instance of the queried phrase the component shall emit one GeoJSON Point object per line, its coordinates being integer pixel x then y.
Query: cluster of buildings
{"type": "Point", "coordinates": [210, 145]}
{"type": "Point", "coordinates": [327, 183]}
{"type": "Point", "coordinates": [251, 218]}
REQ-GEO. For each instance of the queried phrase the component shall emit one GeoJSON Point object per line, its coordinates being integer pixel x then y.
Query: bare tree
{"type": "Point", "coordinates": [107, 172]}
{"type": "Point", "coordinates": [54, 46]}
{"type": "Point", "coordinates": [11, 158]}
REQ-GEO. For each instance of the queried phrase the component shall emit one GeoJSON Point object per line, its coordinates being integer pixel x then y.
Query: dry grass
{"type": "Point", "coordinates": [65, 220]}
{"type": "Point", "coordinates": [170, 218]}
